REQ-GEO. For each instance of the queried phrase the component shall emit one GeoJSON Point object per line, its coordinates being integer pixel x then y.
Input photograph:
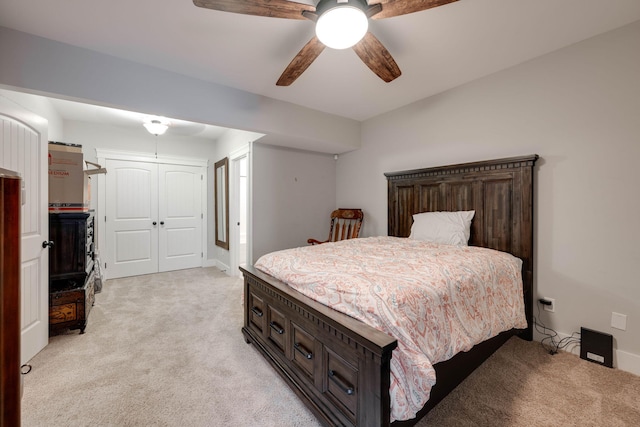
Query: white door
{"type": "Point", "coordinates": [242, 181]}
{"type": "Point", "coordinates": [153, 217]}
{"type": "Point", "coordinates": [180, 214]}
{"type": "Point", "coordinates": [131, 218]}
{"type": "Point", "coordinates": [23, 148]}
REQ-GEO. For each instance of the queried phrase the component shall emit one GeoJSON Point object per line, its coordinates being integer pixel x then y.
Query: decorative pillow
{"type": "Point", "coordinates": [453, 228]}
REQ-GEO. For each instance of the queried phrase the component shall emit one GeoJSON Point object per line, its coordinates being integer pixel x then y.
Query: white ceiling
{"type": "Point", "coordinates": [436, 49]}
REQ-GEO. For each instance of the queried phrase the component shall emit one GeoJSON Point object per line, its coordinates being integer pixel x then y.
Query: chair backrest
{"type": "Point", "coordinates": [345, 224]}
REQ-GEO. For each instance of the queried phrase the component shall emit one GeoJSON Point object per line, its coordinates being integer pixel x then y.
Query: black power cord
{"type": "Point", "coordinates": [550, 342]}
{"type": "Point", "coordinates": [544, 301]}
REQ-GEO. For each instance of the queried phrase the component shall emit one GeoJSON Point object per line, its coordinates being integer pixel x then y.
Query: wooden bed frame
{"type": "Point", "coordinates": [338, 365]}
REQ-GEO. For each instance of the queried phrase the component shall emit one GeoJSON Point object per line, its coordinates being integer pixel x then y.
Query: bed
{"type": "Point", "coordinates": [340, 366]}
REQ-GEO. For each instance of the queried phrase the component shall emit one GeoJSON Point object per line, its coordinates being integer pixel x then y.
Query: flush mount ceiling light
{"type": "Point", "coordinates": [342, 23]}
{"type": "Point", "coordinates": [156, 127]}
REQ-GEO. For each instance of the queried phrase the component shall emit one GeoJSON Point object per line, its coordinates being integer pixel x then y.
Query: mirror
{"type": "Point", "coordinates": [222, 202]}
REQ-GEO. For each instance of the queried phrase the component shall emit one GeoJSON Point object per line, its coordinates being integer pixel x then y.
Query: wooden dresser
{"type": "Point", "coordinates": [71, 275]}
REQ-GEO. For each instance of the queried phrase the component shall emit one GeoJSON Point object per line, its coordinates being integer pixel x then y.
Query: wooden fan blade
{"type": "Point", "coordinates": [301, 62]}
{"type": "Point", "coordinates": [269, 8]}
{"type": "Point", "coordinates": [377, 58]}
{"type": "Point", "coordinates": [402, 7]}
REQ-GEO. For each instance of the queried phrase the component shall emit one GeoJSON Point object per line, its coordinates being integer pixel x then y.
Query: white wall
{"type": "Point", "coordinates": [40, 107]}
{"type": "Point", "coordinates": [294, 193]}
{"type": "Point", "coordinates": [579, 109]}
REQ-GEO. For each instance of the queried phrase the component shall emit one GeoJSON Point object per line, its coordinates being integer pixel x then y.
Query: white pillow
{"type": "Point", "coordinates": [453, 228]}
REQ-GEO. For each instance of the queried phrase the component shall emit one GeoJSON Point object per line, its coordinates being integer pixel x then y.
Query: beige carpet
{"type": "Point", "coordinates": [166, 350]}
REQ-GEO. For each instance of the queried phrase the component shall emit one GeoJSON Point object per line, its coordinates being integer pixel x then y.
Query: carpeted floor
{"type": "Point", "coordinates": [166, 350]}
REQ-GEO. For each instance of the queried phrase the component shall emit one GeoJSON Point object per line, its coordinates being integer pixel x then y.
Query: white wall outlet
{"type": "Point", "coordinates": [551, 307]}
{"type": "Point", "coordinates": [619, 321]}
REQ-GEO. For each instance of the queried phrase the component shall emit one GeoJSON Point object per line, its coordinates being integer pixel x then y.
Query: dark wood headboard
{"type": "Point", "coordinates": [501, 193]}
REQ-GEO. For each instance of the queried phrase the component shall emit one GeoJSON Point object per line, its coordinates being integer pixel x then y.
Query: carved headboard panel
{"type": "Point", "coordinates": [500, 191]}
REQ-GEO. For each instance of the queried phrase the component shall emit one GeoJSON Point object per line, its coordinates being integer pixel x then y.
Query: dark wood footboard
{"type": "Point", "coordinates": [338, 366]}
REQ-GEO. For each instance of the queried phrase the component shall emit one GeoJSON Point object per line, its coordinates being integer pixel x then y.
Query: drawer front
{"type": "Point", "coordinates": [277, 324]}
{"type": "Point", "coordinates": [63, 313]}
{"type": "Point", "coordinates": [304, 347]}
{"type": "Point", "coordinates": [257, 312]}
{"type": "Point", "coordinates": [341, 383]}
{"type": "Point", "coordinates": [65, 297]}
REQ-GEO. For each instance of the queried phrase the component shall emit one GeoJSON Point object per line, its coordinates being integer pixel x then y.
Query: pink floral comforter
{"type": "Point", "coordinates": [436, 300]}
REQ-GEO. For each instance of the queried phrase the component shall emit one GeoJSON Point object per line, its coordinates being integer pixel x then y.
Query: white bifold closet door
{"type": "Point", "coordinates": [153, 217]}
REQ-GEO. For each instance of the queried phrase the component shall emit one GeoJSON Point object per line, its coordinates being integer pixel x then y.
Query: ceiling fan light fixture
{"type": "Point", "coordinates": [342, 26]}
{"type": "Point", "coordinates": [156, 127]}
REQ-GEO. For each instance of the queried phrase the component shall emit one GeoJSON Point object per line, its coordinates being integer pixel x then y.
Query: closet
{"type": "Point", "coordinates": [154, 216]}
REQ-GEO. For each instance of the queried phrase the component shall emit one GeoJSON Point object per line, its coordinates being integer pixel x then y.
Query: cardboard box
{"type": "Point", "coordinates": [69, 189]}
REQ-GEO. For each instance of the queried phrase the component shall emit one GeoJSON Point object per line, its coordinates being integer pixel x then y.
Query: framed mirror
{"type": "Point", "coordinates": [222, 202]}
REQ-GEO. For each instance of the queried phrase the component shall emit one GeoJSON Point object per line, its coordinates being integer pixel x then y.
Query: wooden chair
{"type": "Point", "coordinates": [345, 224]}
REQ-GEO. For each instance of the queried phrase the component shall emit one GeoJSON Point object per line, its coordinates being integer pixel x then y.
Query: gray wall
{"type": "Point", "coordinates": [38, 65]}
{"type": "Point", "coordinates": [294, 193]}
{"type": "Point", "coordinates": [579, 109]}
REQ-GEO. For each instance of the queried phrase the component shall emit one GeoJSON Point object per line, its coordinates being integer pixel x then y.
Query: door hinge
{"type": "Point", "coordinates": [201, 216]}
{"type": "Point", "coordinates": [201, 177]}
{"type": "Point", "coordinates": [201, 254]}
{"type": "Point", "coordinates": [105, 265]}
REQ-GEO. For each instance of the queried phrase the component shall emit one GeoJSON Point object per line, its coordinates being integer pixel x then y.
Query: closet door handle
{"type": "Point", "coordinates": [154, 223]}
{"type": "Point", "coordinates": [161, 222]}
{"type": "Point", "coordinates": [47, 244]}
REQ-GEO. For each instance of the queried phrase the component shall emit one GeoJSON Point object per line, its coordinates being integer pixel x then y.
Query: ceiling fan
{"type": "Point", "coordinates": [335, 34]}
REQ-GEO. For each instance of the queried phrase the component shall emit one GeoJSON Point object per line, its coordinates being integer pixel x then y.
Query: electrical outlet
{"type": "Point", "coordinates": [619, 321]}
{"type": "Point", "coordinates": [549, 307]}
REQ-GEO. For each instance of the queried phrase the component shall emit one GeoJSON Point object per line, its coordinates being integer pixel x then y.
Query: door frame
{"type": "Point", "coordinates": [104, 154]}
{"type": "Point", "coordinates": [234, 208]}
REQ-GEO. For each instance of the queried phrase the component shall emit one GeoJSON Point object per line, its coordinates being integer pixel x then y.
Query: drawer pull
{"type": "Point", "coordinates": [276, 328]}
{"type": "Point", "coordinates": [306, 353]}
{"type": "Point", "coordinates": [257, 311]}
{"type": "Point", "coordinates": [341, 383]}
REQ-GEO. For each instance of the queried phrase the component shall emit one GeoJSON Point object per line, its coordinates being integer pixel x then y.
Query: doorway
{"type": "Point", "coordinates": [240, 210]}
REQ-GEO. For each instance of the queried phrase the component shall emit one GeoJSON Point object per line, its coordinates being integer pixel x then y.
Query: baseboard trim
{"type": "Point", "coordinates": [622, 360]}
{"type": "Point", "coordinates": [209, 263]}
{"type": "Point", "coordinates": [218, 264]}
{"type": "Point", "coordinates": [224, 267]}
{"type": "Point", "coordinates": [625, 361]}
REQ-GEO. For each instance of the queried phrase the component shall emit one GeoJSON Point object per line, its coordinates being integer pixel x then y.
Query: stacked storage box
{"type": "Point", "coordinates": [69, 185]}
